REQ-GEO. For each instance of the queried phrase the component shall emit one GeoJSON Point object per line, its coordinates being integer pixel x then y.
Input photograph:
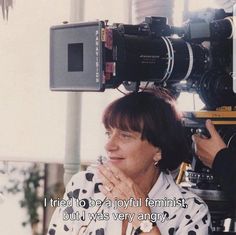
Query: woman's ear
{"type": "Point", "coordinates": [157, 157]}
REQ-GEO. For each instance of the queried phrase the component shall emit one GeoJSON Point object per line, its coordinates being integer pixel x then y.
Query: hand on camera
{"type": "Point", "coordinates": [206, 149]}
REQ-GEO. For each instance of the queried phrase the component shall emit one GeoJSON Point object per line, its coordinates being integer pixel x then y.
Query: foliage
{"type": "Point", "coordinates": [5, 5]}
{"type": "Point", "coordinates": [32, 201]}
{"type": "Point", "coordinates": [29, 180]}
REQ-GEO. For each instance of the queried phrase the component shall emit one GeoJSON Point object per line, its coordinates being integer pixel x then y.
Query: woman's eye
{"type": "Point", "coordinates": [108, 134]}
{"type": "Point", "coordinates": [125, 135]}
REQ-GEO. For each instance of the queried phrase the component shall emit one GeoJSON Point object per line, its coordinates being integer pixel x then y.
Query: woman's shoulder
{"type": "Point", "coordinates": [85, 182]}
{"type": "Point", "coordinates": [182, 207]}
{"type": "Point", "coordinates": [180, 192]}
{"type": "Point", "coordinates": [87, 175]}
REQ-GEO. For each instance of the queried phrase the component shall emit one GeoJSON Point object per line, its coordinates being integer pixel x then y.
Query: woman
{"type": "Point", "coordinates": [133, 192]}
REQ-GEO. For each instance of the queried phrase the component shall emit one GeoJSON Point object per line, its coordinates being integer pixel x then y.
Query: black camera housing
{"type": "Point", "coordinates": [94, 56]}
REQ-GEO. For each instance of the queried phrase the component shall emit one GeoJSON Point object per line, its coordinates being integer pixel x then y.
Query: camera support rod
{"type": "Point", "coordinates": [73, 113]}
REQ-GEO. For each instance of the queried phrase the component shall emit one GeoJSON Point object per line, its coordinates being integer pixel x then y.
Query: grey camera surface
{"type": "Point", "coordinates": [76, 57]}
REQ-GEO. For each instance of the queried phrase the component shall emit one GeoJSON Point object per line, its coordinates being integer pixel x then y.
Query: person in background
{"type": "Point", "coordinates": [214, 153]}
{"type": "Point", "coordinates": [145, 141]}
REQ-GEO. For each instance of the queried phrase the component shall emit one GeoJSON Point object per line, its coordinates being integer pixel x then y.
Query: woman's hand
{"type": "Point", "coordinates": [117, 186]}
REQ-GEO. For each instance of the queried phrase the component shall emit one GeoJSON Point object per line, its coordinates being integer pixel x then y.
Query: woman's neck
{"type": "Point", "coordinates": [147, 181]}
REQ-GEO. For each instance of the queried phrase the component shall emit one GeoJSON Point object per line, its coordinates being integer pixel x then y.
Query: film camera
{"type": "Point", "coordinates": [197, 58]}
{"type": "Point", "coordinates": [94, 56]}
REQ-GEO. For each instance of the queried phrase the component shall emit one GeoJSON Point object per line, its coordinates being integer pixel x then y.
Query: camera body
{"type": "Point", "coordinates": [196, 57]}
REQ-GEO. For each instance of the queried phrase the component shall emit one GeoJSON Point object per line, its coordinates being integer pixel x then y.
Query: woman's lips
{"type": "Point", "coordinates": [116, 159]}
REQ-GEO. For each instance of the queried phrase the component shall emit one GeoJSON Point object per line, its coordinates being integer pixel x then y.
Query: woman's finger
{"type": "Point", "coordinates": [108, 174]}
{"type": "Point", "coordinates": [119, 175]}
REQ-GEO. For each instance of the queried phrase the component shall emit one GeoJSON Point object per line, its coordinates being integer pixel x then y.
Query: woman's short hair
{"type": "Point", "coordinates": [155, 116]}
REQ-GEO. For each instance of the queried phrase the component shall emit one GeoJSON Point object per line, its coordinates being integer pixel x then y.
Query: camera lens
{"type": "Point", "coordinates": [215, 89]}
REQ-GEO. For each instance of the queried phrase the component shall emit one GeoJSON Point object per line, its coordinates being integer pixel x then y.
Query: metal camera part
{"type": "Point", "coordinates": [76, 57]}
{"type": "Point", "coordinates": [95, 56]}
{"type": "Point", "coordinates": [201, 178]}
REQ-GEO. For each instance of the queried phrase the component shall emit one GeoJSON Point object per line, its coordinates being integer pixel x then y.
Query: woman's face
{"type": "Point", "coordinates": [129, 152]}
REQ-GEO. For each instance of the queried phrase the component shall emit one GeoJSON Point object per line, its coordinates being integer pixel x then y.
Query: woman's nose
{"type": "Point", "coordinates": [111, 143]}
